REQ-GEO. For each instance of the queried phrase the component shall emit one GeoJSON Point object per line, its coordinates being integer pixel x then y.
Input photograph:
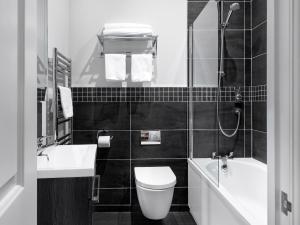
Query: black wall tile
{"type": "Point", "coordinates": [260, 146]}
{"type": "Point", "coordinates": [248, 143]}
{"type": "Point", "coordinates": [248, 14]}
{"type": "Point", "coordinates": [114, 197]}
{"type": "Point", "coordinates": [158, 116]}
{"type": "Point", "coordinates": [259, 77]}
{"type": "Point", "coordinates": [259, 40]}
{"type": "Point", "coordinates": [234, 44]}
{"type": "Point", "coordinates": [173, 145]}
{"type": "Point", "coordinates": [84, 137]}
{"type": "Point", "coordinates": [99, 116]}
{"type": "Point", "coordinates": [205, 115]}
{"type": "Point", "coordinates": [235, 144]}
{"type": "Point", "coordinates": [234, 72]}
{"type": "Point", "coordinates": [114, 173]}
{"type": "Point", "coordinates": [259, 12]}
{"type": "Point", "coordinates": [248, 72]}
{"type": "Point", "coordinates": [178, 166]}
{"type": "Point", "coordinates": [259, 70]}
{"type": "Point", "coordinates": [248, 44]}
{"type": "Point", "coordinates": [205, 143]}
{"type": "Point", "coordinates": [248, 115]}
{"type": "Point", "coordinates": [259, 113]}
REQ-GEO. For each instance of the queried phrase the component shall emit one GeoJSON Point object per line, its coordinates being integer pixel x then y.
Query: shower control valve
{"type": "Point", "coordinates": [238, 95]}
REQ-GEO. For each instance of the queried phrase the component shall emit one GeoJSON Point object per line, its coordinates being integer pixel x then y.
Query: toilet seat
{"type": "Point", "coordinates": [155, 178]}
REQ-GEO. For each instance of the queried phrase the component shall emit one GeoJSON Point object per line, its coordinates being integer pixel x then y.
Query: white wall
{"type": "Point", "coordinates": [59, 26]}
{"type": "Point", "coordinates": [168, 18]}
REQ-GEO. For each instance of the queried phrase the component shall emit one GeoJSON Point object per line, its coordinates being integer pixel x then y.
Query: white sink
{"type": "Point", "coordinates": [67, 161]}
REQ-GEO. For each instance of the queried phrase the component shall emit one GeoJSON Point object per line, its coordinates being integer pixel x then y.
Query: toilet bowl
{"type": "Point", "coordinates": [155, 188]}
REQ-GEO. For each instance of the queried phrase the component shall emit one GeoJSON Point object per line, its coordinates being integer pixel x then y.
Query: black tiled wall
{"type": "Point", "coordinates": [245, 66]}
{"type": "Point", "coordinates": [259, 78]}
{"type": "Point", "coordinates": [124, 119]}
{"type": "Point", "coordinates": [237, 67]}
{"type": "Point", "coordinates": [124, 112]}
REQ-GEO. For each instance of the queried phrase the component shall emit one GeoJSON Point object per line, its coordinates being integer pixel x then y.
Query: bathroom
{"type": "Point", "coordinates": [133, 112]}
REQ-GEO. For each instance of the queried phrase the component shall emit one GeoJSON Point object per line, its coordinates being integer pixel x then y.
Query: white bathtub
{"type": "Point", "coordinates": [240, 196]}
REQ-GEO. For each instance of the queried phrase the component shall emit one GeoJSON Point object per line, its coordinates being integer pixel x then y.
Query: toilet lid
{"type": "Point", "coordinates": [155, 177]}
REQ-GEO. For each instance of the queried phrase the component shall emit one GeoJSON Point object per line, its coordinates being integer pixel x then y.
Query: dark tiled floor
{"type": "Point", "coordinates": [127, 218]}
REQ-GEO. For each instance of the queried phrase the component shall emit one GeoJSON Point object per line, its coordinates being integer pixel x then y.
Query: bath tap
{"type": "Point", "coordinates": [214, 155]}
{"type": "Point", "coordinates": [224, 166]}
{"type": "Point", "coordinates": [231, 155]}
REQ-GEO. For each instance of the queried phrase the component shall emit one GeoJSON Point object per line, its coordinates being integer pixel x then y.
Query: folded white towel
{"type": "Point", "coordinates": [141, 67]}
{"type": "Point", "coordinates": [127, 32]}
{"type": "Point", "coordinates": [115, 66]}
{"type": "Point", "coordinates": [66, 101]}
{"type": "Point", "coordinates": [126, 25]}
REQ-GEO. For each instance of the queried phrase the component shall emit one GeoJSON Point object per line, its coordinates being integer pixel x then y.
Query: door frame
{"type": "Point", "coordinates": [283, 108]}
{"type": "Point", "coordinates": [20, 199]}
{"type": "Point", "coordinates": [296, 113]}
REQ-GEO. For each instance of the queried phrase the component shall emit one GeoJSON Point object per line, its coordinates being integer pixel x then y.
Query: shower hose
{"type": "Point", "coordinates": [221, 73]}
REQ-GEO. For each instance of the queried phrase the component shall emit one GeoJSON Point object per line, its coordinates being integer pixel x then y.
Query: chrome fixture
{"type": "Point", "coordinates": [238, 95]}
{"type": "Point", "coordinates": [41, 154]}
{"type": "Point", "coordinates": [224, 166]}
{"type": "Point", "coordinates": [224, 159]}
{"type": "Point", "coordinates": [41, 145]}
{"type": "Point", "coordinates": [216, 156]}
{"type": "Point", "coordinates": [150, 137]}
{"type": "Point", "coordinates": [233, 7]}
{"type": "Point", "coordinates": [221, 73]}
{"type": "Point", "coordinates": [153, 39]}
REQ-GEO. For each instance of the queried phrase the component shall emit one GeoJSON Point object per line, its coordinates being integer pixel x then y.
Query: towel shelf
{"type": "Point", "coordinates": [103, 38]}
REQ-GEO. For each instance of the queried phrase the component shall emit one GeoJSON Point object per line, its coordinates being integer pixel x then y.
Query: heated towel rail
{"type": "Point", "coordinates": [62, 67]}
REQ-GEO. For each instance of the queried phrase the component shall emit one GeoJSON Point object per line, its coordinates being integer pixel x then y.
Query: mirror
{"type": "Point", "coordinates": [45, 108]}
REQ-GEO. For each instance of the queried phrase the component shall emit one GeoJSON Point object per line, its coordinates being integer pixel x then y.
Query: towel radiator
{"type": "Point", "coordinates": [62, 67]}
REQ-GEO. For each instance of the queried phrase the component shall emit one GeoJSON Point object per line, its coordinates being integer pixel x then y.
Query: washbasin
{"type": "Point", "coordinates": [64, 161]}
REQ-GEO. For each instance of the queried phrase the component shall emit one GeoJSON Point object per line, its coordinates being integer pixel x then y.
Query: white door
{"type": "Point", "coordinates": [17, 112]}
{"type": "Point", "coordinates": [284, 109]}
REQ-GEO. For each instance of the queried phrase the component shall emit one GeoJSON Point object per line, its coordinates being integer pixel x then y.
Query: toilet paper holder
{"type": "Point", "coordinates": [103, 133]}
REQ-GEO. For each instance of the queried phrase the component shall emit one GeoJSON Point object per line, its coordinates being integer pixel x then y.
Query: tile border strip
{"type": "Point", "coordinates": [167, 94]}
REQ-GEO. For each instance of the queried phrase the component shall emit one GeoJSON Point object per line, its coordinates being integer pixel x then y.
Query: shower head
{"type": "Point", "coordinates": [233, 7]}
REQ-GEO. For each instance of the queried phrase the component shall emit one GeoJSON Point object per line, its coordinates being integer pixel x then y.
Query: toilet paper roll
{"type": "Point", "coordinates": [104, 141]}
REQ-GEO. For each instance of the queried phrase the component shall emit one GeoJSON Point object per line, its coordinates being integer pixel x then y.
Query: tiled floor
{"type": "Point", "coordinates": [127, 218]}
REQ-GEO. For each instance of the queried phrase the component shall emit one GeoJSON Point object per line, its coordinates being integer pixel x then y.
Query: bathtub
{"type": "Point", "coordinates": [240, 196]}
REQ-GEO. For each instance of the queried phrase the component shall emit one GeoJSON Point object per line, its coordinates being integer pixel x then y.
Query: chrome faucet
{"type": "Point", "coordinates": [224, 166]}
{"type": "Point", "coordinates": [44, 155]}
{"type": "Point", "coordinates": [224, 159]}
{"type": "Point", "coordinates": [214, 155]}
{"type": "Point", "coordinates": [41, 147]}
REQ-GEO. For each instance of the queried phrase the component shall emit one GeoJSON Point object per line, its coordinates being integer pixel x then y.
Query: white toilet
{"type": "Point", "coordinates": [155, 188]}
